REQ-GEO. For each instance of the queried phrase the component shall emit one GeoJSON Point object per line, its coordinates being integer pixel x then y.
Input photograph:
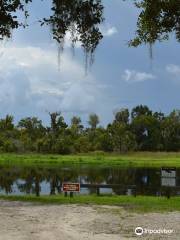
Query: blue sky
{"type": "Point", "coordinates": [31, 83]}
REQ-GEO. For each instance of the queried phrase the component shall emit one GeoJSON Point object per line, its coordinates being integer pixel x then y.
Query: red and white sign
{"type": "Point", "coordinates": [71, 187]}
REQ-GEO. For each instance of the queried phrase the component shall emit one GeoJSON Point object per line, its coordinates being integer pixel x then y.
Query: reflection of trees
{"type": "Point", "coordinates": [7, 178]}
{"type": "Point", "coordinates": [32, 178]}
{"type": "Point", "coordinates": [124, 177]}
{"type": "Point", "coordinates": [94, 175]}
{"type": "Point", "coordinates": [148, 181]}
{"type": "Point", "coordinates": [27, 187]}
{"type": "Point", "coordinates": [29, 179]}
{"type": "Point", "coordinates": [56, 176]}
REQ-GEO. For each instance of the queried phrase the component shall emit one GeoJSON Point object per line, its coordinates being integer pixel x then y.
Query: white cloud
{"type": "Point", "coordinates": [31, 83]}
{"type": "Point", "coordinates": [173, 69]}
{"type": "Point", "coordinates": [108, 30]}
{"type": "Point", "coordinates": [132, 76]}
{"type": "Point", "coordinates": [68, 41]}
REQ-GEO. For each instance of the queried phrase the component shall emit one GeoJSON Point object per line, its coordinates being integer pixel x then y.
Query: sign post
{"type": "Point", "coordinates": [71, 188]}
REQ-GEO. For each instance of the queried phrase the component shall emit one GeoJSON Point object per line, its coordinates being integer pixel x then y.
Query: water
{"type": "Point", "coordinates": [41, 180]}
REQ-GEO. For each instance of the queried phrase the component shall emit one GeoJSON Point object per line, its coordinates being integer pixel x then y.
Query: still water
{"type": "Point", "coordinates": [41, 180]}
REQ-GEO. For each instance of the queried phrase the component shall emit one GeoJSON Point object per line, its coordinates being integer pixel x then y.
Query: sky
{"type": "Point", "coordinates": [32, 83]}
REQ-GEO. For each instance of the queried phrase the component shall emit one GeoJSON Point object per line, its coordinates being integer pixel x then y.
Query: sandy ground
{"type": "Point", "coordinates": [25, 221]}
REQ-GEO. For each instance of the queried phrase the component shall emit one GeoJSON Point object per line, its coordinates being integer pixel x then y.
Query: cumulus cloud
{"type": "Point", "coordinates": [173, 69]}
{"type": "Point", "coordinates": [30, 82]}
{"type": "Point", "coordinates": [132, 76]}
{"type": "Point", "coordinates": [68, 41]}
{"type": "Point", "coordinates": [108, 30]}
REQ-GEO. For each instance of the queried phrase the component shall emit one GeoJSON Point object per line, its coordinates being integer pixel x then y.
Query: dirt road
{"type": "Point", "coordinates": [25, 221]}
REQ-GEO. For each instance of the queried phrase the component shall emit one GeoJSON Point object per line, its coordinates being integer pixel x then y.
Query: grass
{"type": "Point", "coordinates": [130, 203]}
{"type": "Point", "coordinates": [147, 159]}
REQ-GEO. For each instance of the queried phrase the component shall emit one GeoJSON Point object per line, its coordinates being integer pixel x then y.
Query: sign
{"type": "Point", "coordinates": [168, 177]}
{"type": "Point", "coordinates": [168, 182]}
{"type": "Point", "coordinates": [168, 172]}
{"type": "Point", "coordinates": [71, 187]}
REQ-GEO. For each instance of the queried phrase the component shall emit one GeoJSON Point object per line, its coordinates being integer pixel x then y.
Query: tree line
{"type": "Point", "coordinates": [138, 130]}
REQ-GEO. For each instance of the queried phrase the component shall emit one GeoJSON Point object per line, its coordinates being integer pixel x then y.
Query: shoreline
{"type": "Point", "coordinates": [129, 203]}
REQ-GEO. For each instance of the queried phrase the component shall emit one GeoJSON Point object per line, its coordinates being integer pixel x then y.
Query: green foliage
{"type": "Point", "coordinates": [9, 146]}
{"type": "Point", "coordinates": [8, 15]}
{"type": "Point", "coordinates": [82, 145]}
{"type": "Point", "coordinates": [145, 131]}
{"type": "Point", "coordinates": [156, 21]}
{"type": "Point", "coordinates": [93, 121]}
{"type": "Point", "coordinates": [122, 116]}
{"type": "Point", "coordinates": [80, 18]}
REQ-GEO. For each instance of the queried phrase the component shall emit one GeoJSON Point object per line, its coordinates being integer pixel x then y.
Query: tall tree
{"type": "Point", "coordinates": [122, 116]}
{"type": "Point", "coordinates": [171, 131]}
{"type": "Point", "coordinates": [93, 121]}
{"type": "Point", "coordinates": [140, 110]}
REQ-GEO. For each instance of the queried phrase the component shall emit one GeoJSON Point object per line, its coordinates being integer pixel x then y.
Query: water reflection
{"type": "Point", "coordinates": [48, 180]}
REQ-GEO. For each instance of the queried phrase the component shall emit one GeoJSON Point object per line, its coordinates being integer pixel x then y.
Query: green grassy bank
{"type": "Point", "coordinates": [147, 159]}
{"type": "Point", "coordinates": [130, 203]}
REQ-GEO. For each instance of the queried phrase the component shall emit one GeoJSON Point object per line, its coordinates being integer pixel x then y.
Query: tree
{"type": "Point", "coordinates": [57, 123]}
{"type": "Point", "coordinates": [146, 126]}
{"type": "Point", "coordinates": [146, 131]}
{"type": "Point", "coordinates": [75, 121]}
{"type": "Point", "coordinates": [156, 21]}
{"type": "Point", "coordinates": [140, 110]}
{"type": "Point", "coordinates": [80, 18]}
{"type": "Point", "coordinates": [104, 140]}
{"type": "Point", "coordinates": [8, 133]}
{"type": "Point", "coordinates": [93, 121]}
{"type": "Point", "coordinates": [31, 130]}
{"type": "Point", "coordinates": [123, 140]}
{"type": "Point", "coordinates": [171, 131]}
{"type": "Point", "coordinates": [122, 116]}
{"type": "Point", "coordinates": [9, 21]}
{"type": "Point", "coordinates": [32, 126]}
{"type": "Point", "coordinates": [82, 144]}
{"type": "Point", "coordinates": [57, 134]}
{"type": "Point", "coordinates": [76, 127]}
{"type": "Point", "coordinates": [6, 124]}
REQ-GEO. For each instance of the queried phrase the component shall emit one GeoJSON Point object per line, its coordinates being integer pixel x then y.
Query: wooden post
{"type": "Point", "coordinates": [71, 194]}
{"type": "Point", "coordinates": [98, 191]}
{"type": "Point", "coordinates": [168, 193]}
{"type": "Point", "coordinates": [65, 194]}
